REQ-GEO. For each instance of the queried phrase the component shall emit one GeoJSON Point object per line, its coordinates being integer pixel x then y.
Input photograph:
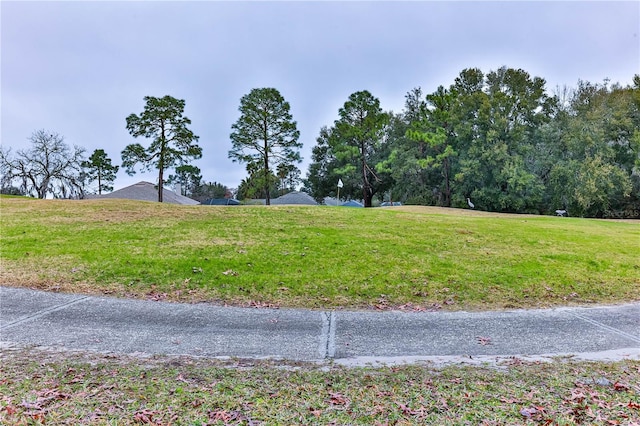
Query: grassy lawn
{"type": "Point", "coordinates": [42, 388]}
{"type": "Point", "coordinates": [313, 256]}
{"type": "Point", "coordinates": [320, 257]}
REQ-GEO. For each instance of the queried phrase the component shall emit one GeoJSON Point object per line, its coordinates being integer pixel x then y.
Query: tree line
{"type": "Point", "coordinates": [50, 167]}
{"type": "Point", "coordinates": [499, 139]}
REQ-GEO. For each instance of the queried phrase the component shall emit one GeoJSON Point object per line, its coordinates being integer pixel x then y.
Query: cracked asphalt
{"type": "Point", "coordinates": [30, 318]}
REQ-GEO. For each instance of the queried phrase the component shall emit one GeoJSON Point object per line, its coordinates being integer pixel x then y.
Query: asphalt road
{"type": "Point", "coordinates": [120, 326]}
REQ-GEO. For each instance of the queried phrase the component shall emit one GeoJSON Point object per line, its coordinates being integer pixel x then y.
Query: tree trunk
{"type": "Point", "coordinates": [447, 184]}
{"type": "Point", "coordinates": [161, 163]}
{"type": "Point", "coordinates": [266, 174]}
{"type": "Point", "coordinates": [367, 193]}
{"type": "Point", "coordinates": [368, 198]}
{"type": "Point", "coordinates": [160, 183]}
{"type": "Point", "coordinates": [42, 189]}
{"type": "Point", "coordinates": [366, 186]}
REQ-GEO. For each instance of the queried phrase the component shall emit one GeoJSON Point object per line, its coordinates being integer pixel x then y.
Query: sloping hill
{"type": "Point", "coordinates": [318, 256]}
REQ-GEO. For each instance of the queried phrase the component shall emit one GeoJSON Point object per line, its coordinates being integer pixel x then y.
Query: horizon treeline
{"type": "Point", "coordinates": [500, 139]}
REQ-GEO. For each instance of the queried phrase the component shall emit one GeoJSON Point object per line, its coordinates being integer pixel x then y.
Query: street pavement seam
{"type": "Point", "coordinates": [327, 347]}
{"type": "Point", "coordinates": [42, 313]}
{"type": "Point", "coordinates": [606, 327]}
{"type": "Point", "coordinates": [331, 343]}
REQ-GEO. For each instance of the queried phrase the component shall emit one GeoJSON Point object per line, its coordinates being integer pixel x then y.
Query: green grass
{"type": "Point", "coordinates": [312, 256]}
{"type": "Point", "coordinates": [41, 388]}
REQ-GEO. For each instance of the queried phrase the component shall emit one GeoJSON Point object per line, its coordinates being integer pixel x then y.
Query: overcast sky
{"type": "Point", "coordinates": [80, 68]}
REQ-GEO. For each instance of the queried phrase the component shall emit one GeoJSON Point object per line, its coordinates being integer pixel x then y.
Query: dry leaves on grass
{"type": "Point", "coordinates": [154, 392]}
{"type": "Point", "coordinates": [484, 341]}
{"type": "Point", "coordinates": [156, 296]}
{"type": "Point", "coordinates": [261, 305]}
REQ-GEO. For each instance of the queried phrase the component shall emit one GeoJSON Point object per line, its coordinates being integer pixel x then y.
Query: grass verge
{"type": "Point", "coordinates": [37, 387]}
{"type": "Point", "coordinates": [306, 256]}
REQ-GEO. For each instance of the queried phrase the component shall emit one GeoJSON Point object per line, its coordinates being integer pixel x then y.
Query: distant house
{"type": "Point", "coordinates": [352, 203]}
{"type": "Point", "coordinates": [221, 202]}
{"type": "Point", "coordinates": [146, 191]}
{"type": "Point", "coordinates": [295, 197]}
{"type": "Point", "coordinates": [331, 201]}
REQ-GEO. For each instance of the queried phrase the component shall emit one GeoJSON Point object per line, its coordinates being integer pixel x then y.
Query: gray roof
{"type": "Point", "coordinates": [295, 197]}
{"type": "Point", "coordinates": [146, 191]}
{"type": "Point", "coordinates": [331, 201]}
{"type": "Point", "coordinates": [221, 202]}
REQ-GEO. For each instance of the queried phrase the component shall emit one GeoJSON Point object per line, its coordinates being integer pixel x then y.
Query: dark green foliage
{"type": "Point", "coordinates": [351, 149]}
{"type": "Point", "coordinates": [423, 152]}
{"type": "Point", "coordinates": [11, 190]}
{"type": "Point", "coordinates": [99, 168]}
{"type": "Point", "coordinates": [210, 190]}
{"type": "Point", "coordinates": [499, 139]}
{"type": "Point", "coordinates": [257, 186]}
{"type": "Point", "coordinates": [191, 184]}
{"type": "Point", "coordinates": [265, 136]}
{"type": "Point", "coordinates": [172, 142]}
{"type": "Point", "coordinates": [597, 152]}
{"type": "Point", "coordinates": [507, 110]}
{"type": "Point", "coordinates": [288, 176]}
{"type": "Point", "coordinates": [322, 178]}
{"type": "Point", "coordinates": [188, 177]}
{"type": "Point", "coordinates": [358, 139]}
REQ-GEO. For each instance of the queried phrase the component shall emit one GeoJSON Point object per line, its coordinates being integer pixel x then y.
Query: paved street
{"type": "Point", "coordinates": [103, 324]}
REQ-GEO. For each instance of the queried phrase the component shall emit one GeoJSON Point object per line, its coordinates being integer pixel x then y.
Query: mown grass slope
{"type": "Point", "coordinates": [313, 256]}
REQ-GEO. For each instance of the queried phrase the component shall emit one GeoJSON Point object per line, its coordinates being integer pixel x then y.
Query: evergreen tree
{"type": "Point", "coordinates": [265, 136]}
{"type": "Point", "coordinates": [172, 142]}
{"type": "Point", "coordinates": [99, 168]}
